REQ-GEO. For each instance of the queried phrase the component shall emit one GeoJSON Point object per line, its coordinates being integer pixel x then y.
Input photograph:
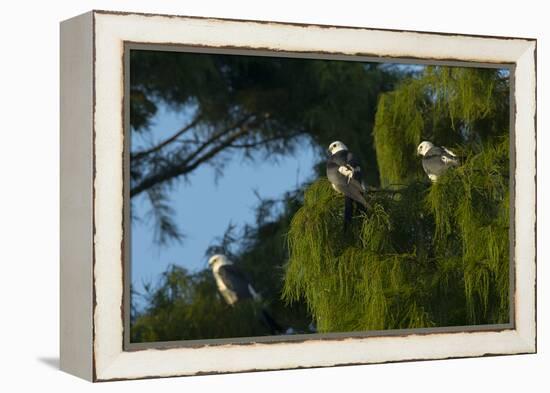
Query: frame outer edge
{"type": "Point", "coordinates": [76, 205]}
{"type": "Point", "coordinates": [115, 363]}
{"type": "Point", "coordinates": [526, 281]}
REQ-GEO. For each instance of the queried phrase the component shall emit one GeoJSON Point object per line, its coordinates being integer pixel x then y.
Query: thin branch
{"type": "Point", "coordinates": [216, 136]}
{"type": "Point", "coordinates": [206, 151]}
{"type": "Point", "coordinates": [214, 151]}
{"type": "Point", "coordinates": [263, 142]}
{"type": "Point", "coordinates": [141, 154]}
{"type": "Point", "coordinates": [187, 166]}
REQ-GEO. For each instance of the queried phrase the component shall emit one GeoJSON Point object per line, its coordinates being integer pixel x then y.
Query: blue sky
{"type": "Point", "coordinates": [204, 206]}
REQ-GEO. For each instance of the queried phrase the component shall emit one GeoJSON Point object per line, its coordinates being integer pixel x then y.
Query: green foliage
{"type": "Point", "coordinates": [471, 211]}
{"type": "Point", "coordinates": [424, 254]}
{"type": "Point", "coordinates": [420, 257]}
{"type": "Point", "coordinates": [187, 306]}
{"type": "Point", "coordinates": [363, 279]}
{"type": "Point", "coordinates": [450, 105]}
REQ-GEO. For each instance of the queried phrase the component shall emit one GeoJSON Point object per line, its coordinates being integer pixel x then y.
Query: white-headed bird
{"type": "Point", "coordinates": [231, 282]}
{"type": "Point", "coordinates": [344, 173]}
{"type": "Point", "coordinates": [436, 160]}
{"type": "Point", "coordinates": [235, 287]}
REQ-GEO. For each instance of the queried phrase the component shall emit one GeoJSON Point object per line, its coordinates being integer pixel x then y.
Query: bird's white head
{"type": "Point", "coordinates": [218, 260]}
{"type": "Point", "coordinates": [424, 147]}
{"type": "Point", "coordinates": [335, 147]}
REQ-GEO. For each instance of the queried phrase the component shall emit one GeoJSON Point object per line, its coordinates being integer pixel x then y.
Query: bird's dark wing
{"type": "Point", "coordinates": [354, 164]}
{"type": "Point", "coordinates": [350, 159]}
{"type": "Point", "coordinates": [235, 281]}
{"type": "Point", "coordinates": [344, 159]}
{"type": "Point", "coordinates": [448, 157]}
{"type": "Point", "coordinates": [334, 163]}
{"type": "Point", "coordinates": [339, 158]}
{"type": "Point", "coordinates": [443, 154]}
{"type": "Point", "coordinates": [449, 151]}
{"type": "Point", "coordinates": [434, 152]}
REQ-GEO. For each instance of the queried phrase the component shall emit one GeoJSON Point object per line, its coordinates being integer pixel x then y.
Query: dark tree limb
{"type": "Point", "coordinates": [189, 164]}
{"type": "Point", "coordinates": [263, 141]}
{"type": "Point", "coordinates": [142, 154]}
{"type": "Point", "coordinates": [240, 124]}
{"type": "Point", "coordinates": [183, 162]}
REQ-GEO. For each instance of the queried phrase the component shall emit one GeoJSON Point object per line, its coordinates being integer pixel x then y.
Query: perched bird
{"type": "Point", "coordinates": [235, 287]}
{"type": "Point", "coordinates": [231, 282]}
{"type": "Point", "coordinates": [436, 160]}
{"type": "Point", "coordinates": [344, 173]}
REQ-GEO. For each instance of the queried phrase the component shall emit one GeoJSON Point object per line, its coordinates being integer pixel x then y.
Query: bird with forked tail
{"type": "Point", "coordinates": [344, 174]}
{"type": "Point", "coordinates": [235, 287]}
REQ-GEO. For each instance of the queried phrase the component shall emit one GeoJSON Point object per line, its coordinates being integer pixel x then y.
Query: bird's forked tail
{"type": "Point", "coordinates": [270, 323]}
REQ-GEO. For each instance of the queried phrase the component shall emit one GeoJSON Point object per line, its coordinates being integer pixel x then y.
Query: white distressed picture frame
{"type": "Point", "coordinates": [92, 195]}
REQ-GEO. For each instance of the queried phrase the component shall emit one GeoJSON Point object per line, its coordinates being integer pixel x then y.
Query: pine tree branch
{"type": "Point", "coordinates": [263, 141]}
{"type": "Point", "coordinates": [142, 154]}
{"type": "Point", "coordinates": [196, 158]}
{"type": "Point", "coordinates": [240, 124]}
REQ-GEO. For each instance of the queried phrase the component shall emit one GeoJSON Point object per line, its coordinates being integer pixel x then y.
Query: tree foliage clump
{"type": "Point", "coordinates": [423, 254]}
{"type": "Point", "coordinates": [187, 306]}
{"type": "Point", "coordinates": [471, 210]}
{"type": "Point", "coordinates": [453, 106]}
{"type": "Point", "coordinates": [358, 280]}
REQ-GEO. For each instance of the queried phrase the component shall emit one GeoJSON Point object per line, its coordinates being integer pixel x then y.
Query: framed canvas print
{"type": "Point", "coordinates": [244, 195]}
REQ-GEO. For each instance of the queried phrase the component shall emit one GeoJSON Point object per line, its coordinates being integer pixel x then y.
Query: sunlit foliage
{"type": "Point", "coordinates": [424, 254]}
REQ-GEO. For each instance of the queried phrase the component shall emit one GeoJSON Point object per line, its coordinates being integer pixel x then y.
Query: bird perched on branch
{"type": "Point", "coordinates": [235, 287]}
{"type": "Point", "coordinates": [344, 173]}
{"type": "Point", "coordinates": [436, 160]}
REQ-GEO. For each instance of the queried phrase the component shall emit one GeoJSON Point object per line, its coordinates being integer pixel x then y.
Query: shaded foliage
{"type": "Point", "coordinates": [187, 305]}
